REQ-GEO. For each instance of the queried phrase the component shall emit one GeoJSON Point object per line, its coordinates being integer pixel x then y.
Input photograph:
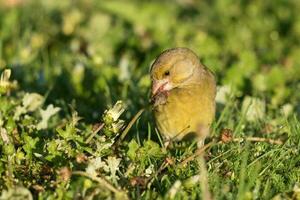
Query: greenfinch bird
{"type": "Point", "coordinates": [183, 95]}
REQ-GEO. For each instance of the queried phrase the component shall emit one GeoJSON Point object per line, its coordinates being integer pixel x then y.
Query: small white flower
{"type": "Point", "coordinates": [223, 94]}
{"type": "Point", "coordinates": [253, 108]}
{"type": "Point", "coordinates": [149, 170]}
{"type": "Point", "coordinates": [116, 111]}
{"type": "Point", "coordinates": [32, 101]}
{"type": "Point", "coordinates": [18, 112]}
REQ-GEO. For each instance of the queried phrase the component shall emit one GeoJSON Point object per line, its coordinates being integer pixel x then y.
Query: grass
{"type": "Point", "coordinates": [79, 76]}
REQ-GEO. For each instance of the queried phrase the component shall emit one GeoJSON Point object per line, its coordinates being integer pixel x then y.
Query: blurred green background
{"type": "Point", "coordinates": [84, 55]}
{"type": "Point", "coordinates": [96, 52]}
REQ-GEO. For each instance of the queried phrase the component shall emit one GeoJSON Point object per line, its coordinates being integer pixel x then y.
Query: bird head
{"type": "Point", "coordinates": [173, 68]}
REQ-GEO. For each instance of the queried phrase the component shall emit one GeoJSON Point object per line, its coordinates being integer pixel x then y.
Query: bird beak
{"type": "Point", "coordinates": [159, 86]}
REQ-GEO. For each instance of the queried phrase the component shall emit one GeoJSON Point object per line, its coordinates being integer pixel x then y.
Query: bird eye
{"type": "Point", "coordinates": [167, 73]}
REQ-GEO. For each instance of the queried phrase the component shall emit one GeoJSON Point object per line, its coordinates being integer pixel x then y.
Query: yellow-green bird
{"type": "Point", "coordinates": [183, 95]}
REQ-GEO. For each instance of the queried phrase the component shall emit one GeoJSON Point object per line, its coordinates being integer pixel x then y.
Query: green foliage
{"type": "Point", "coordinates": [64, 66]}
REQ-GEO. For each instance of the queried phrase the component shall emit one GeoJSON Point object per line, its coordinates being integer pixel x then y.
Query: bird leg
{"type": "Point", "coordinates": [202, 133]}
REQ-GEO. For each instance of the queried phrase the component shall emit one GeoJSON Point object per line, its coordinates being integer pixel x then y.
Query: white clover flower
{"type": "Point", "coordinates": [223, 93]}
{"type": "Point", "coordinates": [253, 108]}
{"type": "Point", "coordinates": [32, 101]}
{"type": "Point", "coordinates": [18, 112]}
{"type": "Point", "coordinates": [116, 111]}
